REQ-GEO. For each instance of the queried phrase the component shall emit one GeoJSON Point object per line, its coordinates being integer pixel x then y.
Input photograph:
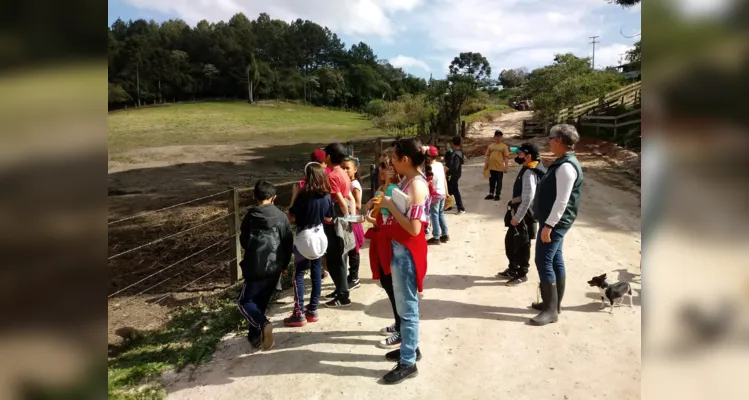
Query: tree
{"type": "Point", "coordinates": [512, 78]}
{"type": "Point", "coordinates": [625, 3]}
{"type": "Point", "coordinates": [567, 82]}
{"type": "Point", "coordinates": [635, 55]}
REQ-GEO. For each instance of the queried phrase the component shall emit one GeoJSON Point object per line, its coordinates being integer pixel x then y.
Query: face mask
{"type": "Point", "coordinates": [519, 160]}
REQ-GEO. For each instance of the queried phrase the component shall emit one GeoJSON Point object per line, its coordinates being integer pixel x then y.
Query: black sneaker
{"type": "Point", "coordinates": [445, 239]}
{"type": "Point", "coordinates": [516, 281]}
{"type": "Point", "coordinates": [449, 209]}
{"type": "Point", "coordinates": [504, 274]}
{"type": "Point", "coordinates": [354, 284]}
{"type": "Point", "coordinates": [388, 330]}
{"type": "Point", "coordinates": [489, 197]}
{"type": "Point", "coordinates": [496, 198]}
{"type": "Point", "coordinates": [392, 342]}
{"type": "Point", "coordinates": [294, 321]}
{"type": "Point", "coordinates": [331, 295]}
{"type": "Point", "coordinates": [255, 342]}
{"type": "Point", "coordinates": [338, 303]}
{"type": "Point", "coordinates": [400, 373]}
{"type": "Point", "coordinates": [433, 241]}
{"type": "Point", "coordinates": [395, 355]}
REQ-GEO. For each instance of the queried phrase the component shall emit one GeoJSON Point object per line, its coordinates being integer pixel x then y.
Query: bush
{"type": "Point", "coordinates": [376, 108]}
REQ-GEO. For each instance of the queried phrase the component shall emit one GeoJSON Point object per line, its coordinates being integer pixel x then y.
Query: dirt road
{"type": "Point", "coordinates": [511, 124]}
{"type": "Point", "coordinates": [474, 333]}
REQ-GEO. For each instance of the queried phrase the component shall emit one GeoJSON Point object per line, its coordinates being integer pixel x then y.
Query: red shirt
{"type": "Point", "coordinates": [339, 183]}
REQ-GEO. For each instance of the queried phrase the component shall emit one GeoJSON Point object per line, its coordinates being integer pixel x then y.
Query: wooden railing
{"type": "Point", "coordinates": [626, 95]}
{"type": "Point", "coordinates": [600, 121]}
{"type": "Point", "coordinates": [534, 128]}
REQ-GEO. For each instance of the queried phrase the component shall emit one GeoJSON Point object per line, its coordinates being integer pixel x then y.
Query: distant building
{"type": "Point", "coordinates": [630, 70]}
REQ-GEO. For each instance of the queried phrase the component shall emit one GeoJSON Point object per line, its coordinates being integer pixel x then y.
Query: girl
{"type": "Point", "coordinates": [438, 194]}
{"type": "Point", "coordinates": [351, 166]}
{"type": "Point", "coordinates": [409, 253]}
{"type": "Point", "coordinates": [380, 255]}
{"type": "Point", "coordinates": [311, 208]}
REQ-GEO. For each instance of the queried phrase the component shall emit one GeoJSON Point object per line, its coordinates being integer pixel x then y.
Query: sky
{"type": "Point", "coordinates": [423, 36]}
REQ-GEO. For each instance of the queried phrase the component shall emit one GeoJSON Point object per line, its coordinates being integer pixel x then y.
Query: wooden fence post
{"type": "Point", "coordinates": [463, 128]}
{"type": "Point", "coordinates": [234, 272]}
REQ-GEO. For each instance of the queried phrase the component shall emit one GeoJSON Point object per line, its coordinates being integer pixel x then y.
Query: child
{"type": "Point", "coordinates": [438, 195]}
{"type": "Point", "coordinates": [497, 162]}
{"type": "Point", "coordinates": [409, 253]}
{"type": "Point", "coordinates": [351, 166]}
{"type": "Point", "coordinates": [455, 160]}
{"type": "Point", "coordinates": [265, 236]}
{"type": "Point", "coordinates": [340, 240]}
{"type": "Point", "coordinates": [311, 209]}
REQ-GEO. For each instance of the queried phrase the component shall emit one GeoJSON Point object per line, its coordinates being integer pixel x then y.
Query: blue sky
{"type": "Point", "coordinates": [423, 36]}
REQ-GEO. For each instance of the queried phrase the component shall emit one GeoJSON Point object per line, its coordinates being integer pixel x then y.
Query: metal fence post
{"type": "Point", "coordinates": [234, 272]}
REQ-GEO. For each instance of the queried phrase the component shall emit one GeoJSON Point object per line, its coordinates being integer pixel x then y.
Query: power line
{"type": "Point", "coordinates": [594, 42]}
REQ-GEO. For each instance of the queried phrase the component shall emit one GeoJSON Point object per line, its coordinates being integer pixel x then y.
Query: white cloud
{"type": "Point", "coordinates": [607, 56]}
{"type": "Point", "coordinates": [365, 18]}
{"type": "Point", "coordinates": [408, 63]}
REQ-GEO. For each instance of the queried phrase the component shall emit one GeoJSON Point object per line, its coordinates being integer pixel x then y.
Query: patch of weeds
{"type": "Point", "coordinates": [189, 338]}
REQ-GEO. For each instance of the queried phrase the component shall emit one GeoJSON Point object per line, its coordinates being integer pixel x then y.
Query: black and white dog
{"type": "Point", "coordinates": [611, 292]}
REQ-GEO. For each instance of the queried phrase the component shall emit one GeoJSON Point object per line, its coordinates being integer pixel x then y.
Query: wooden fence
{"type": "Point", "coordinates": [626, 95]}
{"type": "Point", "coordinates": [600, 121]}
{"type": "Point", "coordinates": [534, 128]}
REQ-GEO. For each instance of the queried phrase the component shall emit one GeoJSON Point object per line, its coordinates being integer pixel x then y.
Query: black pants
{"type": "Point", "coordinates": [495, 182]}
{"type": "Point", "coordinates": [518, 251]}
{"type": "Point", "coordinates": [253, 302]}
{"type": "Point", "coordinates": [353, 264]}
{"type": "Point", "coordinates": [452, 186]}
{"type": "Point", "coordinates": [387, 283]}
{"type": "Point", "coordinates": [336, 266]}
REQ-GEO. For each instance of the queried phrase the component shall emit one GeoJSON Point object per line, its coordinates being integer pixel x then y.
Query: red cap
{"type": "Point", "coordinates": [318, 156]}
{"type": "Point", "coordinates": [433, 151]}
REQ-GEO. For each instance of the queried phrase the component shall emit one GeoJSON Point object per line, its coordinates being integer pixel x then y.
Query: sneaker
{"type": "Point", "coordinates": [395, 355]}
{"type": "Point", "coordinates": [255, 342]}
{"type": "Point", "coordinates": [516, 281]}
{"type": "Point", "coordinates": [311, 316]}
{"type": "Point", "coordinates": [400, 373]}
{"type": "Point", "coordinates": [449, 209]}
{"type": "Point", "coordinates": [461, 212]}
{"type": "Point", "coordinates": [496, 198]}
{"type": "Point", "coordinates": [433, 241]}
{"type": "Point", "coordinates": [504, 274]}
{"type": "Point", "coordinates": [489, 197]}
{"type": "Point", "coordinates": [294, 321]}
{"type": "Point", "coordinates": [338, 303]}
{"type": "Point", "coordinates": [354, 284]}
{"type": "Point", "coordinates": [388, 330]}
{"type": "Point", "coordinates": [331, 295]}
{"type": "Point", "coordinates": [392, 342]}
{"type": "Point", "coordinates": [266, 336]}
{"type": "Point", "coordinates": [445, 239]}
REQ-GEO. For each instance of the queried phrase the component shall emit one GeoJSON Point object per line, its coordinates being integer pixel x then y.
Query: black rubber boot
{"type": "Point", "coordinates": [560, 293]}
{"type": "Point", "coordinates": [550, 301]}
{"type": "Point", "coordinates": [538, 306]}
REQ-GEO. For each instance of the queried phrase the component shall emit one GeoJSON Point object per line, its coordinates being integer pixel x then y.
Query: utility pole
{"type": "Point", "coordinates": [594, 42]}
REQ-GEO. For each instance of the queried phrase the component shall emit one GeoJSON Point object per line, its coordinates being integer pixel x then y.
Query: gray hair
{"type": "Point", "coordinates": [567, 133]}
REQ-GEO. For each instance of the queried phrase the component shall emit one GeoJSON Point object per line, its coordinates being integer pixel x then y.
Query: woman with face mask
{"type": "Point", "coordinates": [519, 219]}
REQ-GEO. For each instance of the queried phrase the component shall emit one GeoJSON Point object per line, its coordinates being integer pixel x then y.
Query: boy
{"type": "Point", "coordinates": [455, 160]}
{"type": "Point", "coordinates": [265, 236]}
{"type": "Point", "coordinates": [339, 233]}
{"type": "Point", "coordinates": [497, 161]}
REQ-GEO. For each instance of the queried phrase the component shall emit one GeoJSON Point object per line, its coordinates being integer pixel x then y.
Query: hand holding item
{"type": "Point", "coordinates": [387, 203]}
{"type": "Point", "coordinates": [514, 222]}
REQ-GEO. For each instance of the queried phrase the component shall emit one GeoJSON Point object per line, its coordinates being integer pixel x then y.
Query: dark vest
{"type": "Point", "coordinates": [546, 193]}
{"type": "Point", "coordinates": [517, 188]}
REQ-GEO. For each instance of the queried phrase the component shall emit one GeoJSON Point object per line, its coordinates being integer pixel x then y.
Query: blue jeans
{"type": "Point", "coordinates": [253, 301]}
{"type": "Point", "coordinates": [300, 266]}
{"type": "Point", "coordinates": [549, 261]}
{"type": "Point", "coordinates": [437, 217]}
{"type": "Point", "coordinates": [403, 271]}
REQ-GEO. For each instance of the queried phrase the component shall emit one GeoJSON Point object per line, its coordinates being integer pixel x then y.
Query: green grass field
{"type": "Point", "coordinates": [490, 109]}
{"type": "Point", "coordinates": [225, 122]}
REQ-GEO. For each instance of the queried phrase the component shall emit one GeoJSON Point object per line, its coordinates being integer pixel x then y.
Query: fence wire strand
{"type": "Point", "coordinates": [172, 265]}
{"type": "Point", "coordinates": [170, 236]}
{"type": "Point", "coordinates": [167, 208]}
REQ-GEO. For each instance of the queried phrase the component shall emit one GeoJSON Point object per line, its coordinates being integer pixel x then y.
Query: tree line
{"type": "Point", "coordinates": [265, 58]}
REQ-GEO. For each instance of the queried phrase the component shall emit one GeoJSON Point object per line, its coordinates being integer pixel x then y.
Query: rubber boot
{"type": "Point", "coordinates": [550, 301]}
{"type": "Point", "coordinates": [538, 306]}
{"type": "Point", "coordinates": [560, 293]}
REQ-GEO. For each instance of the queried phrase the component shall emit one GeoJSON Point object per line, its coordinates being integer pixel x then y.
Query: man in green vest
{"type": "Point", "coordinates": [556, 204]}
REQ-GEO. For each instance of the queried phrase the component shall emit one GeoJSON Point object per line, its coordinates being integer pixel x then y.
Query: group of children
{"type": "Point", "coordinates": [329, 193]}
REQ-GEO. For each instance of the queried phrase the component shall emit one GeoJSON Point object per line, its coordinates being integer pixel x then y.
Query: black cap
{"type": "Point", "coordinates": [530, 148]}
{"type": "Point", "coordinates": [498, 133]}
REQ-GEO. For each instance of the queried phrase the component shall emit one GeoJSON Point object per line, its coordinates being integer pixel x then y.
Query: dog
{"type": "Point", "coordinates": [611, 292]}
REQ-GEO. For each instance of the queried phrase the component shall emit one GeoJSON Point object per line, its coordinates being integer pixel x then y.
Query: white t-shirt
{"type": "Point", "coordinates": [439, 178]}
{"type": "Point", "coordinates": [355, 185]}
